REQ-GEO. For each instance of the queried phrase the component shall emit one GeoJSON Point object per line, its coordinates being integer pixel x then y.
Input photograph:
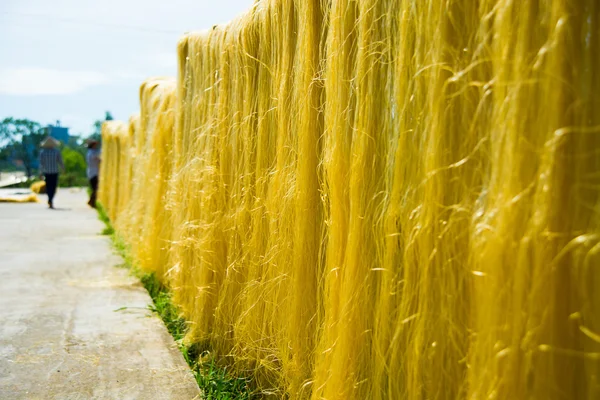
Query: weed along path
{"type": "Point", "coordinates": [72, 325]}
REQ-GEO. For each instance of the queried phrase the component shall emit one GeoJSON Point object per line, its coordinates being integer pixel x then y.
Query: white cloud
{"type": "Point", "coordinates": [43, 81]}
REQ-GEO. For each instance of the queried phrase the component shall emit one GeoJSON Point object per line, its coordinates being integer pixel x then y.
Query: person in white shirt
{"type": "Point", "coordinates": [93, 169]}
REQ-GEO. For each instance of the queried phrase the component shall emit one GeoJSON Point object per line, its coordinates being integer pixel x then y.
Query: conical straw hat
{"type": "Point", "coordinates": [49, 143]}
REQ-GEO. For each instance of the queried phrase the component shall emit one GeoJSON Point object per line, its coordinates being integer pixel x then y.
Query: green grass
{"type": "Point", "coordinates": [108, 229]}
{"type": "Point", "coordinates": [215, 381]}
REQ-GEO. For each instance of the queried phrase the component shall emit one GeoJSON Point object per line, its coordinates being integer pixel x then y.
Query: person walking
{"type": "Point", "coordinates": [93, 169]}
{"type": "Point", "coordinates": [50, 163]}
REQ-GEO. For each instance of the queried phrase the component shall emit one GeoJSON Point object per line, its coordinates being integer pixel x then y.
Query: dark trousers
{"type": "Point", "coordinates": [94, 185]}
{"type": "Point", "coordinates": [51, 183]}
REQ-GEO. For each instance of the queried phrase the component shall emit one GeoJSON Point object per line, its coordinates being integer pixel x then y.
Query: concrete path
{"type": "Point", "coordinates": [64, 331]}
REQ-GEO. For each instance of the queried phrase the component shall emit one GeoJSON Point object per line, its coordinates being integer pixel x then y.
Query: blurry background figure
{"type": "Point", "coordinates": [93, 167]}
{"type": "Point", "coordinates": [50, 163]}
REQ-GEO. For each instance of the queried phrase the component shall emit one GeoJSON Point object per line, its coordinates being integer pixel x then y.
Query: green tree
{"type": "Point", "coordinates": [75, 168]}
{"type": "Point", "coordinates": [97, 132]}
{"type": "Point", "coordinates": [74, 141]}
{"type": "Point", "coordinates": [24, 137]}
{"type": "Point", "coordinates": [74, 161]}
{"type": "Point", "coordinates": [77, 143]}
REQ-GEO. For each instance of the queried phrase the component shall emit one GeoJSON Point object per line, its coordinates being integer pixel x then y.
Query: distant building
{"type": "Point", "coordinates": [58, 132]}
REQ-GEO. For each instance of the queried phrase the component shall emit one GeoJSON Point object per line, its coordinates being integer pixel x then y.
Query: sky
{"type": "Point", "coordinates": [72, 60]}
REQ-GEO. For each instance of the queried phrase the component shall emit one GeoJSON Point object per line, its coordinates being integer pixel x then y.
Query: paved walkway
{"type": "Point", "coordinates": [64, 331]}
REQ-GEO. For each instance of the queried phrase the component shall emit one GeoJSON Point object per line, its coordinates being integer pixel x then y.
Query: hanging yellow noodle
{"type": "Point", "coordinates": [126, 162]}
{"type": "Point", "coordinates": [378, 199]}
{"type": "Point", "coordinates": [157, 119]}
{"type": "Point", "coordinates": [114, 137]}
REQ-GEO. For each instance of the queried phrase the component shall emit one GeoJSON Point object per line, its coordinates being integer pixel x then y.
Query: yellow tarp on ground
{"type": "Point", "coordinates": [19, 198]}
